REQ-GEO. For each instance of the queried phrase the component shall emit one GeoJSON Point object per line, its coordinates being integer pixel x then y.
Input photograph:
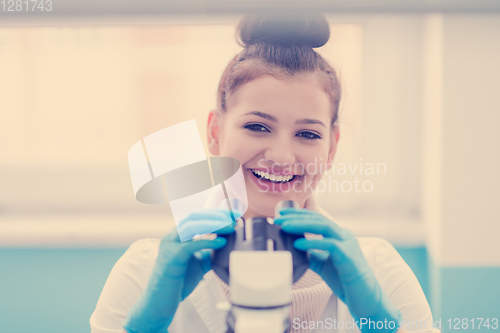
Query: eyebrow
{"type": "Point", "coordinates": [274, 119]}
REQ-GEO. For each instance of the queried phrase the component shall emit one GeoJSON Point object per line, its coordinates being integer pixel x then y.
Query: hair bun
{"type": "Point", "coordinates": [297, 28]}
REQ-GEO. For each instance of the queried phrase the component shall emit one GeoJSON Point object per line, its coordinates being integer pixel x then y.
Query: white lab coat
{"type": "Point", "coordinates": [198, 314]}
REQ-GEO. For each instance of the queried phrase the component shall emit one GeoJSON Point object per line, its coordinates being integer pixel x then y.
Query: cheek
{"type": "Point", "coordinates": [315, 159]}
{"type": "Point", "coordinates": [238, 145]}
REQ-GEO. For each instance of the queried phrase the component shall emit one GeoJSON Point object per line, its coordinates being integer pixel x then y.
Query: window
{"type": "Point", "coordinates": [76, 98]}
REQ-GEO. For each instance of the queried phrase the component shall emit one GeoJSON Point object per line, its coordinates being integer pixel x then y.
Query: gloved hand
{"type": "Point", "coordinates": [178, 269]}
{"type": "Point", "coordinates": [343, 267]}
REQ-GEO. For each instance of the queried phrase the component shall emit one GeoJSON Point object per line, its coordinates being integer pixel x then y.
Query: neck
{"type": "Point", "coordinates": [250, 213]}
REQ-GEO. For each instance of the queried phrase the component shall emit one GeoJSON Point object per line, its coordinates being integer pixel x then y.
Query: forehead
{"type": "Point", "coordinates": [295, 97]}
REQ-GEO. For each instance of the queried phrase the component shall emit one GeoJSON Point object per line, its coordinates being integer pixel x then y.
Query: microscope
{"type": "Point", "coordinates": [260, 265]}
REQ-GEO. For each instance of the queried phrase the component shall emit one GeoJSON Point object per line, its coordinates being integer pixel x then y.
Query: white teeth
{"type": "Point", "coordinates": [271, 177]}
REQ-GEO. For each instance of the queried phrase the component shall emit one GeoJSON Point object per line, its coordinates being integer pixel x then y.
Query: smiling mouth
{"type": "Point", "coordinates": [278, 179]}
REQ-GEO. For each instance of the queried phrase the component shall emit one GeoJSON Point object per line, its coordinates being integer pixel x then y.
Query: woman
{"type": "Point", "coordinates": [277, 112]}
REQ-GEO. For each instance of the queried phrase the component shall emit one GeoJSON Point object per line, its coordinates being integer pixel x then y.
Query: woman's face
{"type": "Point", "coordinates": [277, 129]}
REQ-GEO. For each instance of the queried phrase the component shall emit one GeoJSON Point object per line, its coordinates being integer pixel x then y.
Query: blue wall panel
{"type": "Point", "coordinates": [51, 290]}
{"type": "Point", "coordinates": [56, 290]}
{"type": "Point", "coordinates": [460, 294]}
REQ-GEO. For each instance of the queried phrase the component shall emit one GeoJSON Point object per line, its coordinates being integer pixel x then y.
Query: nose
{"type": "Point", "coordinates": [280, 151]}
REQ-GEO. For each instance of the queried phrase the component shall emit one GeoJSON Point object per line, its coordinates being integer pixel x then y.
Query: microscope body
{"type": "Point", "coordinates": [260, 264]}
{"type": "Point", "coordinates": [260, 234]}
{"type": "Point", "coordinates": [261, 284]}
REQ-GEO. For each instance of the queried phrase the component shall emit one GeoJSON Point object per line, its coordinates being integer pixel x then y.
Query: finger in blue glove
{"type": "Point", "coordinates": [179, 268]}
{"type": "Point", "coordinates": [342, 266]}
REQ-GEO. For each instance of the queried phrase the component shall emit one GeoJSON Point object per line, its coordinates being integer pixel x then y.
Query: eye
{"type": "Point", "coordinates": [309, 135]}
{"type": "Point", "coordinates": [257, 128]}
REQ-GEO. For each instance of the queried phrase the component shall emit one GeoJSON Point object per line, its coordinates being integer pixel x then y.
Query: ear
{"type": "Point", "coordinates": [213, 132]}
{"type": "Point", "coordinates": [334, 139]}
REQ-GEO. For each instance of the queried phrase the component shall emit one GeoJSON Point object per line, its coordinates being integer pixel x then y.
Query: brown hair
{"type": "Point", "coordinates": [280, 45]}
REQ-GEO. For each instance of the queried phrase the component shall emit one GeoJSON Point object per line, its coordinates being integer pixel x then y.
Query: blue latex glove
{"type": "Point", "coordinates": [343, 267]}
{"type": "Point", "coordinates": [179, 268]}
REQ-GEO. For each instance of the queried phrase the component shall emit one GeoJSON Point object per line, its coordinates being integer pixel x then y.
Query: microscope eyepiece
{"type": "Point", "coordinates": [232, 204]}
{"type": "Point", "coordinates": [284, 204]}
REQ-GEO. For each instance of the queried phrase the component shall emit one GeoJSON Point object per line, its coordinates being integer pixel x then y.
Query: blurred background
{"type": "Point", "coordinates": [81, 84]}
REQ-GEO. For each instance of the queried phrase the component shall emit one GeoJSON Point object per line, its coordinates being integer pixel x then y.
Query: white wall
{"type": "Point", "coordinates": [463, 140]}
{"type": "Point", "coordinates": [380, 67]}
